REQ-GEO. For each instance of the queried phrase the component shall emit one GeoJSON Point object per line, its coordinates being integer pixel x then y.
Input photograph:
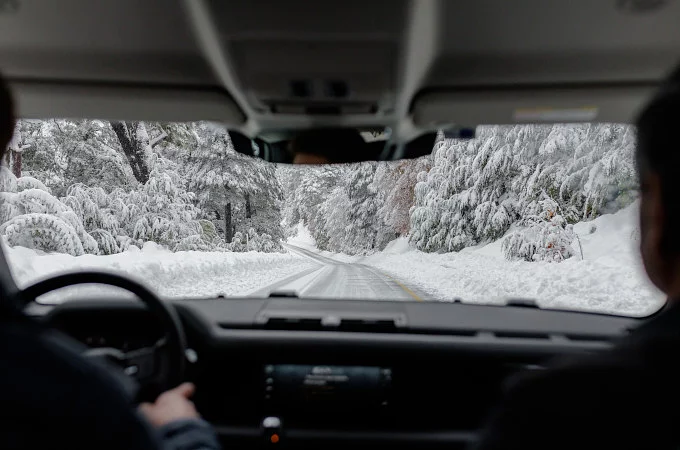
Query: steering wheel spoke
{"type": "Point", "coordinates": [159, 366]}
{"type": "Point", "coordinates": [146, 363]}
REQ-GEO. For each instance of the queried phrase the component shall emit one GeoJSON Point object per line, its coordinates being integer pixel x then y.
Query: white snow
{"type": "Point", "coordinates": [80, 195]}
{"type": "Point", "coordinates": [303, 237]}
{"type": "Point", "coordinates": [179, 274]}
{"type": "Point", "coordinates": [609, 279]}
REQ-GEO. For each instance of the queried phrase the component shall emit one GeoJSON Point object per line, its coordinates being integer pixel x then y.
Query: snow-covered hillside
{"type": "Point", "coordinates": [170, 274]}
{"type": "Point", "coordinates": [608, 279]}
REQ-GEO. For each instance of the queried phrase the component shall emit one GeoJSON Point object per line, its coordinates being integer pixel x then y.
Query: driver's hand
{"type": "Point", "coordinates": [170, 406]}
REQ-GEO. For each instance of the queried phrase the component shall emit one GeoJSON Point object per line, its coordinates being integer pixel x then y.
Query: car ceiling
{"type": "Point", "coordinates": [267, 65]}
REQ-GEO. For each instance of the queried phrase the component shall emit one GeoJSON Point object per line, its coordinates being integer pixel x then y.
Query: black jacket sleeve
{"type": "Point", "coordinates": [189, 434]}
{"type": "Point", "coordinates": [583, 405]}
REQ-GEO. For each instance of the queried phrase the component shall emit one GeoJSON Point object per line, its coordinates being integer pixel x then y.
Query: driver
{"type": "Point", "coordinates": [624, 398]}
{"type": "Point", "coordinates": [54, 398]}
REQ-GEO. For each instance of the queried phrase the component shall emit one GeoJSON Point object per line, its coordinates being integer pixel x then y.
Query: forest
{"type": "Point", "coordinates": [531, 182]}
{"type": "Point", "coordinates": [98, 187]}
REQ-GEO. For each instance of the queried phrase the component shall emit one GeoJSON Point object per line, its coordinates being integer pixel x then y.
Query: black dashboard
{"type": "Point", "coordinates": [336, 373]}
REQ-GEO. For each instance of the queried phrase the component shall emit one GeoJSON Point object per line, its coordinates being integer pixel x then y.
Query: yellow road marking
{"type": "Point", "coordinates": [404, 287]}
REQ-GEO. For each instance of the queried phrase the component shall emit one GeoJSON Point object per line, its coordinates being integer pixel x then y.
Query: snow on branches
{"type": "Point", "coordinates": [33, 218]}
{"type": "Point", "coordinates": [108, 186]}
{"type": "Point", "coordinates": [543, 234]}
{"type": "Point", "coordinates": [43, 232]}
{"type": "Point", "coordinates": [477, 189]}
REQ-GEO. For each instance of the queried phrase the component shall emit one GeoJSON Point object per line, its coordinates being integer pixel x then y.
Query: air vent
{"type": "Point", "coordinates": [326, 323]}
{"type": "Point", "coordinates": [337, 89]}
{"type": "Point", "coordinates": [373, 326]}
{"type": "Point", "coordinates": [306, 324]}
{"type": "Point", "coordinates": [520, 335]}
{"type": "Point", "coordinates": [588, 338]}
{"type": "Point", "coordinates": [348, 325]}
{"type": "Point", "coordinates": [301, 89]}
{"type": "Point", "coordinates": [323, 108]}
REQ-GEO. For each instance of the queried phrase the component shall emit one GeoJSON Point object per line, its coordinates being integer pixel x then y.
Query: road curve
{"type": "Point", "coordinates": [340, 280]}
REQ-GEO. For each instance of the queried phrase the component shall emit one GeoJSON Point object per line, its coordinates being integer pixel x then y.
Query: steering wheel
{"type": "Point", "coordinates": [158, 367]}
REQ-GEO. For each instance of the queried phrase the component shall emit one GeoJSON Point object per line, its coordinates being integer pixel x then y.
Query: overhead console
{"type": "Point", "coordinates": [472, 106]}
{"type": "Point", "coordinates": [315, 58]}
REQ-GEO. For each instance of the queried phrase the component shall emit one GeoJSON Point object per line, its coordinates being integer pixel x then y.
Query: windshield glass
{"type": "Point", "coordinates": [544, 213]}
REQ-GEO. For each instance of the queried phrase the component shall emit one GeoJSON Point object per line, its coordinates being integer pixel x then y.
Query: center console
{"type": "Point", "coordinates": [310, 389]}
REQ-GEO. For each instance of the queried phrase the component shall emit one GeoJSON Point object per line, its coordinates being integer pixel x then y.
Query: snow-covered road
{"type": "Point", "coordinates": [332, 278]}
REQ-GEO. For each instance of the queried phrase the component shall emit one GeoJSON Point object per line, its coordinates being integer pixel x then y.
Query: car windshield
{"type": "Point", "coordinates": [544, 214]}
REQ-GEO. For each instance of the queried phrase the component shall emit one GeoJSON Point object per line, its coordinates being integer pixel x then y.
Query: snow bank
{"type": "Point", "coordinates": [187, 274]}
{"type": "Point", "coordinates": [304, 239]}
{"type": "Point", "coordinates": [609, 279]}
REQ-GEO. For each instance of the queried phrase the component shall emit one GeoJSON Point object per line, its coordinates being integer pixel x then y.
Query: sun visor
{"type": "Point", "coordinates": [39, 100]}
{"type": "Point", "coordinates": [615, 104]}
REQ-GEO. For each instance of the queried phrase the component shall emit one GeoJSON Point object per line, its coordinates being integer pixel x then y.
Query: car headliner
{"type": "Point", "coordinates": [267, 65]}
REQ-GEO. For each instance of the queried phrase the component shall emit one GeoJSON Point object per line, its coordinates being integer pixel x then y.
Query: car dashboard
{"type": "Point", "coordinates": [336, 373]}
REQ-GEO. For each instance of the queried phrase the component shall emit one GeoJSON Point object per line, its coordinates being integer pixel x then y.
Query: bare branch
{"type": "Point", "coordinates": [21, 148]}
{"type": "Point", "coordinates": [157, 139]}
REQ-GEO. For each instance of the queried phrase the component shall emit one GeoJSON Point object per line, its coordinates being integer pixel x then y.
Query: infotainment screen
{"type": "Point", "coordinates": [318, 385]}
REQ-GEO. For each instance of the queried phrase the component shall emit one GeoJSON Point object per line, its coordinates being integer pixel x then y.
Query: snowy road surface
{"type": "Point", "coordinates": [336, 279]}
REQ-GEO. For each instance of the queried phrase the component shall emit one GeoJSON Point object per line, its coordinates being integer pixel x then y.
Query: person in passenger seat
{"type": "Point", "coordinates": [626, 397]}
{"type": "Point", "coordinates": [53, 398]}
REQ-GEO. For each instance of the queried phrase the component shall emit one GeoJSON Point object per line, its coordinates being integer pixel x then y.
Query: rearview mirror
{"type": "Point", "coordinates": [332, 145]}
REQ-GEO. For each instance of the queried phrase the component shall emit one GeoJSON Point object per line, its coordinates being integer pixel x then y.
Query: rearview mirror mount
{"type": "Point", "coordinates": [337, 145]}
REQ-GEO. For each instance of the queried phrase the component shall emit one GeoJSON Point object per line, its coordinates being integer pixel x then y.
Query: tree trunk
{"type": "Point", "coordinates": [16, 164]}
{"type": "Point", "coordinates": [228, 230]}
{"type": "Point", "coordinates": [132, 148]}
{"type": "Point", "coordinates": [249, 209]}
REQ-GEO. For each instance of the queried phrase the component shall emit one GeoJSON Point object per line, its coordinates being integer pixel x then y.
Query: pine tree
{"type": "Point", "coordinates": [33, 218]}
{"type": "Point", "coordinates": [231, 186]}
{"type": "Point", "coordinates": [477, 189]}
{"type": "Point", "coordinates": [134, 141]}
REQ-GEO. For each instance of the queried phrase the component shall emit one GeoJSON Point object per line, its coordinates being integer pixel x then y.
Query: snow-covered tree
{"type": "Point", "coordinates": [251, 241]}
{"type": "Point", "coordinates": [477, 189]}
{"type": "Point", "coordinates": [310, 191]}
{"type": "Point", "coordinates": [84, 152]}
{"type": "Point", "coordinates": [363, 208]}
{"type": "Point", "coordinates": [127, 182]}
{"type": "Point", "coordinates": [134, 141]}
{"type": "Point", "coordinates": [33, 218]}
{"type": "Point", "coordinates": [356, 208]}
{"type": "Point", "coordinates": [160, 210]}
{"type": "Point", "coordinates": [397, 186]}
{"type": "Point", "coordinates": [24, 133]}
{"type": "Point", "coordinates": [544, 235]}
{"type": "Point", "coordinates": [236, 192]}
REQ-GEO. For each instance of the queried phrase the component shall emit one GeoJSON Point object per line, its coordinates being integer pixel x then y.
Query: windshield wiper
{"type": "Point", "coordinates": [522, 303]}
{"type": "Point", "coordinates": [283, 294]}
